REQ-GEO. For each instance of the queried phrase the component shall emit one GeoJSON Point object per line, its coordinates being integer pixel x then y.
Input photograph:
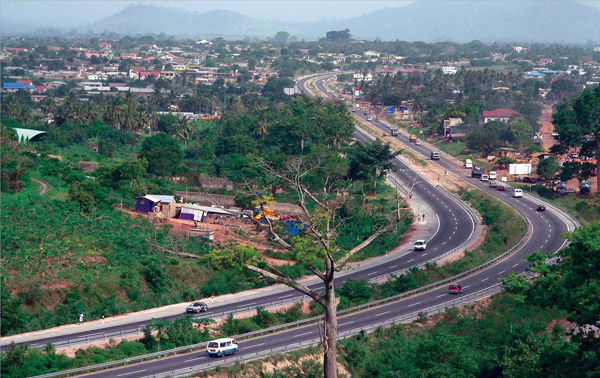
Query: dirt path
{"type": "Point", "coordinates": [547, 128]}
{"type": "Point", "coordinates": [45, 186]}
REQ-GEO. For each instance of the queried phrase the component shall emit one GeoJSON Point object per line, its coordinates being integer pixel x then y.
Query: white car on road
{"type": "Point", "coordinates": [420, 245]}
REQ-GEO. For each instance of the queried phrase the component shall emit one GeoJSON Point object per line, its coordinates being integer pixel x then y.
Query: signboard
{"type": "Point", "coordinates": [519, 169]}
{"type": "Point", "coordinates": [391, 110]}
{"type": "Point", "coordinates": [289, 91]}
{"type": "Point", "coordinates": [356, 92]}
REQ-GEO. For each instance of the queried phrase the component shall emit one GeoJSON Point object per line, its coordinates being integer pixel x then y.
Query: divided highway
{"type": "Point", "coordinates": [451, 217]}
{"type": "Point", "coordinates": [546, 228]}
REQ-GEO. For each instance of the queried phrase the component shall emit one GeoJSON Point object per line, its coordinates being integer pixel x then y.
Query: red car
{"type": "Point", "coordinates": [501, 188]}
{"type": "Point", "coordinates": [455, 289]}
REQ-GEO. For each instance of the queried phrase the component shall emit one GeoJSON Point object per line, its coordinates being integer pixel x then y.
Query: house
{"type": "Point", "coordinates": [13, 87]}
{"type": "Point", "coordinates": [372, 53]}
{"type": "Point", "coordinates": [502, 115]}
{"type": "Point", "coordinates": [144, 75]}
{"type": "Point", "coordinates": [151, 203]}
{"type": "Point", "coordinates": [26, 82]}
{"type": "Point", "coordinates": [216, 183]}
{"type": "Point", "coordinates": [545, 61]}
{"type": "Point", "coordinates": [201, 213]}
{"type": "Point", "coordinates": [449, 70]}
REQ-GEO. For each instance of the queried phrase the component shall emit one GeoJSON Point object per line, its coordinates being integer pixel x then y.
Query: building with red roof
{"type": "Point", "coordinates": [502, 115]}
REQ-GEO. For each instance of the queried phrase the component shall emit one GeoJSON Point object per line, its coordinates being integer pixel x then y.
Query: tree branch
{"type": "Point", "coordinates": [289, 282]}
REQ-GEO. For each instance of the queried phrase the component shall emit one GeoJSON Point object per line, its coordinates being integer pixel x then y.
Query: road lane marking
{"type": "Point", "coordinates": [370, 274]}
{"type": "Point", "coordinates": [195, 359]}
{"type": "Point", "coordinates": [439, 296]}
{"type": "Point", "coordinates": [515, 265]}
{"type": "Point", "coordinates": [303, 334]}
{"type": "Point", "coordinates": [410, 260]}
{"type": "Point", "coordinates": [252, 346]}
{"type": "Point", "coordinates": [466, 286]}
{"type": "Point", "coordinates": [383, 313]}
{"type": "Point", "coordinates": [424, 254]}
{"type": "Point", "coordinates": [247, 304]}
{"type": "Point", "coordinates": [485, 279]}
{"type": "Point", "coordinates": [443, 243]}
{"type": "Point", "coordinates": [393, 266]}
{"type": "Point", "coordinates": [343, 324]}
{"type": "Point", "coordinates": [414, 304]}
{"type": "Point", "coordinates": [502, 272]}
{"type": "Point", "coordinates": [289, 295]}
{"type": "Point", "coordinates": [133, 372]}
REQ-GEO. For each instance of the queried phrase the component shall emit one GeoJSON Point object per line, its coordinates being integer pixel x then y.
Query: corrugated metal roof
{"type": "Point", "coordinates": [207, 209]}
{"type": "Point", "coordinates": [164, 199]}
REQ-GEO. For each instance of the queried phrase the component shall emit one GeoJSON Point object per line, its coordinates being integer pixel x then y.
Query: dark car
{"type": "Point", "coordinates": [455, 289]}
{"type": "Point", "coordinates": [501, 188]}
{"type": "Point", "coordinates": [541, 208]}
{"type": "Point", "coordinates": [196, 307]}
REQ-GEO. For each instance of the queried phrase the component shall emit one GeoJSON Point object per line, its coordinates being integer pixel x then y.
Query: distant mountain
{"type": "Point", "coordinates": [464, 21]}
{"type": "Point", "coordinates": [150, 19]}
{"type": "Point", "coordinates": [8, 28]}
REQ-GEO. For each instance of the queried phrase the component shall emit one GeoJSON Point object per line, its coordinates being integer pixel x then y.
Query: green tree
{"type": "Point", "coordinates": [520, 131]}
{"type": "Point", "coordinates": [373, 158]}
{"type": "Point", "coordinates": [163, 154]}
{"type": "Point", "coordinates": [548, 168]}
{"type": "Point", "coordinates": [483, 140]}
{"type": "Point", "coordinates": [577, 123]}
{"type": "Point", "coordinates": [282, 37]}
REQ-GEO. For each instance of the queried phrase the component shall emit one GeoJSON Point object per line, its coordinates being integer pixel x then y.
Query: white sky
{"type": "Point", "coordinates": [71, 13]}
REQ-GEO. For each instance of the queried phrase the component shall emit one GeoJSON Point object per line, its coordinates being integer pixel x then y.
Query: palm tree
{"type": "Point", "coordinates": [183, 131]}
{"type": "Point", "coordinates": [12, 106]}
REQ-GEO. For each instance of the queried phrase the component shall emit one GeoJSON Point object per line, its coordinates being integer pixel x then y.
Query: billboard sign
{"type": "Point", "coordinates": [519, 169]}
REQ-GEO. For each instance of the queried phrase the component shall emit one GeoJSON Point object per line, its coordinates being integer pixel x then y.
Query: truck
{"type": "Point", "coordinates": [561, 188]}
{"type": "Point", "coordinates": [413, 138]}
{"type": "Point", "coordinates": [435, 155]}
{"type": "Point", "coordinates": [476, 172]}
{"type": "Point", "coordinates": [585, 187]}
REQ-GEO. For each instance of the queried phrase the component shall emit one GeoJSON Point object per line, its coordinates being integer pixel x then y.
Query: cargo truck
{"type": "Point", "coordinates": [413, 138]}
{"type": "Point", "coordinates": [476, 172]}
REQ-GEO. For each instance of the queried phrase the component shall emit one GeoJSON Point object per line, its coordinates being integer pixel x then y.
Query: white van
{"type": "Point", "coordinates": [221, 347]}
{"type": "Point", "coordinates": [518, 193]}
{"type": "Point", "coordinates": [469, 164]}
{"type": "Point", "coordinates": [493, 175]}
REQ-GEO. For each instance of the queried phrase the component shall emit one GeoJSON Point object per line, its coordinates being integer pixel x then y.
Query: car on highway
{"type": "Point", "coordinates": [369, 118]}
{"type": "Point", "coordinates": [455, 289]}
{"type": "Point", "coordinates": [501, 188]}
{"type": "Point", "coordinates": [485, 177]}
{"type": "Point", "coordinates": [493, 175]}
{"type": "Point", "coordinates": [366, 112]}
{"type": "Point", "coordinates": [518, 193]}
{"type": "Point", "coordinates": [221, 347]}
{"type": "Point", "coordinates": [418, 142]}
{"type": "Point", "coordinates": [541, 208]}
{"type": "Point", "coordinates": [196, 307]}
{"type": "Point", "coordinates": [493, 184]}
{"type": "Point", "coordinates": [420, 245]}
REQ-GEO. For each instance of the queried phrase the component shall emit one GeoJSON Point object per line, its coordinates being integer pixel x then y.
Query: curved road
{"type": "Point", "coordinates": [451, 217]}
{"type": "Point", "coordinates": [546, 230]}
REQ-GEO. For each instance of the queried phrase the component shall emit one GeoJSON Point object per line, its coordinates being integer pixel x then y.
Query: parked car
{"type": "Point", "coordinates": [221, 347]}
{"type": "Point", "coordinates": [455, 289]}
{"type": "Point", "coordinates": [501, 188]}
{"type": "Point", "coordinates": [197, 307]}
{"type": "Point", "coordinates": [541, 208]}
{"type": "Point", "coordinates": [420, 245]}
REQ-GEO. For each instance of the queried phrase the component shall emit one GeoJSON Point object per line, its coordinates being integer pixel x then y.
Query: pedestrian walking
{"type": "Point", "coordinates": [80, 318]}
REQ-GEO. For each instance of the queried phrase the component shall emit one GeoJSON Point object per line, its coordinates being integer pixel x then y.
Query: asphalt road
{"type": "Point", "coordinates": [455, 227]}
{"type": "Point", "coordinates": [546, 230]}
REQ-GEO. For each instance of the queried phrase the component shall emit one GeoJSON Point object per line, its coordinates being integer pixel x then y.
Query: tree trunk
{"type": "Point", "coordinates": [375, 179]}
{"type": "Point", "coordinates": [330, 334]}
{"type": "Point", "coordinates": [597, 163]}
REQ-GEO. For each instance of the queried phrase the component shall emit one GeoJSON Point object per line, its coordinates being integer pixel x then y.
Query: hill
{"type": "Point", "coordinates": [464, 21]}
{"type": "Point", "coordinates": [148, 19]}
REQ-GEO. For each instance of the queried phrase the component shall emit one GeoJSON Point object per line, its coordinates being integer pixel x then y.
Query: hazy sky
{"type": "Point", "coordinates": [70, 13]}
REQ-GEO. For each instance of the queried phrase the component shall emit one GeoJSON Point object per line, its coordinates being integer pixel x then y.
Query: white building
{"type": "Point", "coordinates": [449, 70]}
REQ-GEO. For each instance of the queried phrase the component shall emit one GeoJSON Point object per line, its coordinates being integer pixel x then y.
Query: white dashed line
{"type": "Point", "coordinates": [515, 265]}
{"type": "Point", "coordinates": [502, 272]}
{"type": "Point", "coordinates": [252, 346]}
{"type": "Point", "coordinates": [485, 279]}
{"type": "Point", "coordinates": [303, 334]}
{"type": "Point", "coordinates": [383, 313]}
{"type": "Point", "coordinates": [193, 359]}
{"type": "Point", "coordinates": [443, 295]}
{"type": "Point", "coordinates": [289, 295]}
{"type": "Point", "coordinates": [410, 260]}
{"type": "Point", "coordinates": [414, 304]}
{"type": "Point", "coordinates": [393, 266]}
{"type": "Point", "coordinates": [343, 324]}
{"type": "Point", "coordinates": [133, 372]}
{"type": "Point", "coordinates": [370, 274]}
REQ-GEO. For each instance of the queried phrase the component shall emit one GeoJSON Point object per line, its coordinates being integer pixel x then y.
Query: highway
{"type": "Point", "coordinates": [451, 217]}
{"type": "Point", "coordinates": [546, 230]}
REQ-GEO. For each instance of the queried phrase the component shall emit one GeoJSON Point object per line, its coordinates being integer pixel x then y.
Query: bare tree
{"type": "Point", "coordinates": [317, 248]}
